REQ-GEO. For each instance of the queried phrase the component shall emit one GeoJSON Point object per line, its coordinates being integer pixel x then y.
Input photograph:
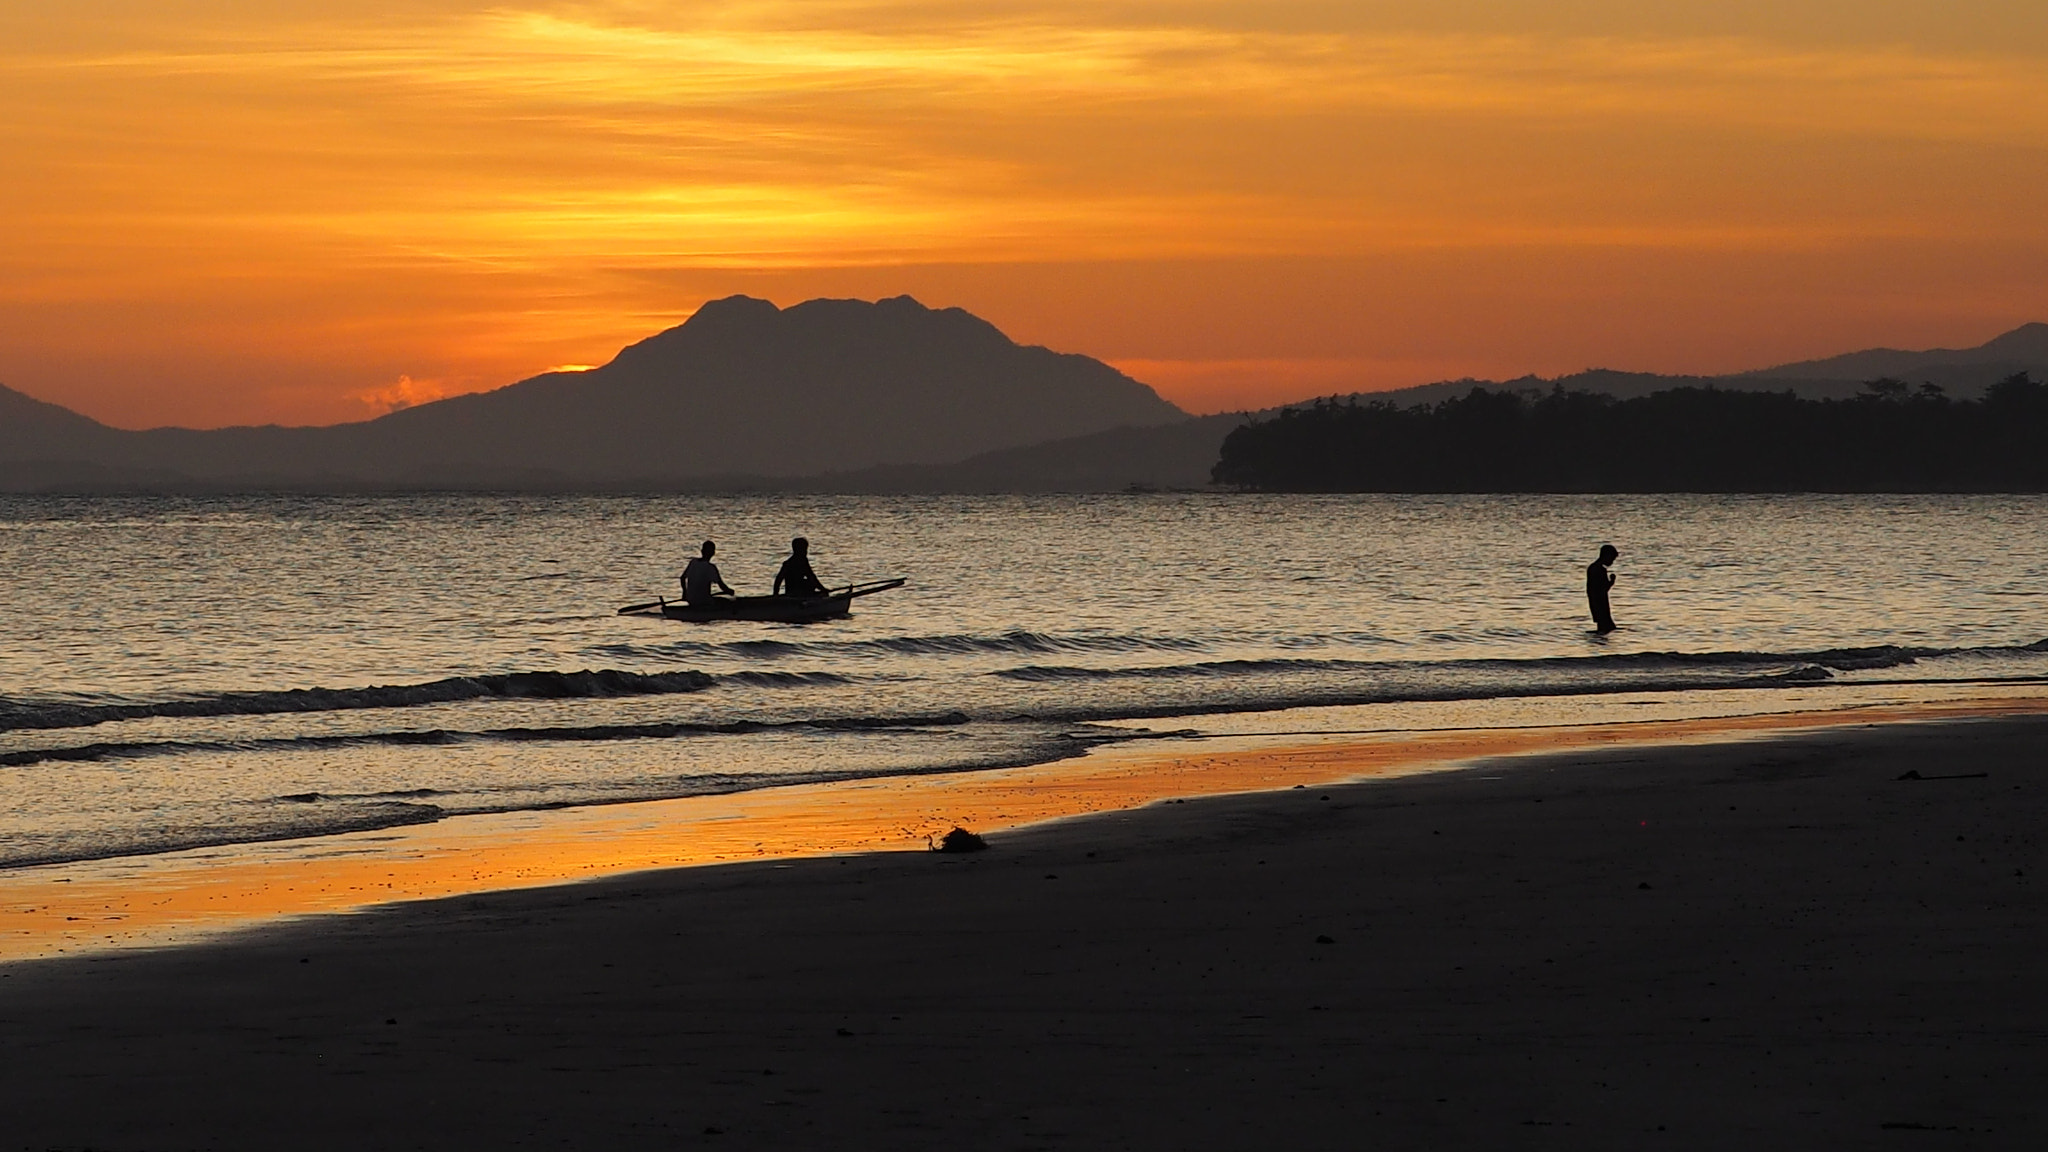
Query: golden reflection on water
{"type": "Point", "coordinates": [181, 896]}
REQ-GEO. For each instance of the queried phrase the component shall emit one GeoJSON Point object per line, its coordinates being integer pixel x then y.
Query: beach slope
{"type": "Point", "coordinates": [1774, 942]}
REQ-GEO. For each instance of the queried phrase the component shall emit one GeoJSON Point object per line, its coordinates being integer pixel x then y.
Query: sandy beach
{"type": "Point", "coordinates": [1774, 941]}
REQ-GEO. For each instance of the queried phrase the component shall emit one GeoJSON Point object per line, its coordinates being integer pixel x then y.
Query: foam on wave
{"type": "Point", "coordinates": [1007, 643]}
{"type": "Point", "coordinates": [586, 684]}
{"type": "Point", "coordinates": [1809, 665]}
{"type": "Point", "coordinates": [287, 823]}
{"type": "Point", "coordinates": [589, 733]}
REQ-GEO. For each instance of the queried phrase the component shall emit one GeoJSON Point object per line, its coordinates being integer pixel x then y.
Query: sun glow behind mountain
{"type": "Point", "coordinates": [276, 216]}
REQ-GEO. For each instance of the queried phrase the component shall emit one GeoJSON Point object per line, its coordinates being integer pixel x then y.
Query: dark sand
{"type": "Point", "coordinates": [1769, 943]}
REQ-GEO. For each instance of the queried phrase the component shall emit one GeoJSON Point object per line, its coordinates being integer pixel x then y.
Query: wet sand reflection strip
{"type": "Point", "coordinates": [183, 896]}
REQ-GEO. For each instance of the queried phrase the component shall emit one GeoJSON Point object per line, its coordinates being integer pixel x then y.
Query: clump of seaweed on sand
{"type": "Point", "coordinates": [958, 840]}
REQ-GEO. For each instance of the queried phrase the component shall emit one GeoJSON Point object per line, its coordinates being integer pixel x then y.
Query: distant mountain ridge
{"type": "Point", "coordinates": [1179, 456]}
{"type": "Point", "coordinates": [28, 424]}
{"type": "Point", "coordinates": [1963, 372]}
{"type": "Point", "coordinates": [2024, 349]}
{"type": "Point", "coordinates": [743, 387]}
{"type": "Point", "coordinates": [917, 400]}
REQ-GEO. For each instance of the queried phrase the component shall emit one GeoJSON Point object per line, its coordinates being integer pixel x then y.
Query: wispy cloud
{"type": "Point", "coordinates": [743, 137]}
{"type": "Point", "coordinates": [589, 57]}
{"type": "Point", "coordinates": [403, 393]}
{"type": "Point", "coordinates": [357, 150]}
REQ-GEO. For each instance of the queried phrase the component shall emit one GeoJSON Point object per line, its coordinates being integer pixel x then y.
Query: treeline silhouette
{"type": "Point", "coordinates": [1892, 438]}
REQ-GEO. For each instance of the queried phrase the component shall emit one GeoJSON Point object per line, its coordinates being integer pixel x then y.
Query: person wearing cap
{"type": "Point", "coordinates": [1598, 581]}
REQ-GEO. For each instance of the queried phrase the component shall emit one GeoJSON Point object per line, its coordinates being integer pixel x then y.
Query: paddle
{"type": "Point", "coordinates": [632, 608]}
{"type": "Point", "coordinates": [872, 587]}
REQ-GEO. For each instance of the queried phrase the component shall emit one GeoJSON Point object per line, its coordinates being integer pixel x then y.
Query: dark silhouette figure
{"type": "Point", "coordinates": [1598, 581]}
{"type": "Point", "coordinates": [796, 577]}
{"type": "Point", "coordinates": [700, 576]}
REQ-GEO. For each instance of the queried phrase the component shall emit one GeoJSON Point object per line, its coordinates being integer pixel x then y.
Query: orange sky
{"type": "Point", "coordinates": [303, 211]}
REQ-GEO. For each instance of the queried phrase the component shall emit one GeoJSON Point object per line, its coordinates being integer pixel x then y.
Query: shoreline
{"type": "Point", "coordinates": [195, 895]}
{"type": "Point", "coordinates": [1787, 941]}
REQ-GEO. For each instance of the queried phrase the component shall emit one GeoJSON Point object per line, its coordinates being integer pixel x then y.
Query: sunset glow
{"type": "Point", "coordinates": [319, 211]}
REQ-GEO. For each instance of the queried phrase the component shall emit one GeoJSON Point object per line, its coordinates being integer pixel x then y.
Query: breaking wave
{"type": "Point", "coordinates": [1007, 643]}
{"type": "Point", "coordinates": [16, 715]}
{"type": "Point", "coordinates": [584, 733]}
{"type": "Point", "coordinates": [1625, 670]}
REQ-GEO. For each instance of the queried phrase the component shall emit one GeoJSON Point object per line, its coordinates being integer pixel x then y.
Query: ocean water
{"type": "Point", "coordinates": [179, 672]}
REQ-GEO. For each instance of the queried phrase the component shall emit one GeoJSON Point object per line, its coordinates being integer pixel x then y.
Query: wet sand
{"type": "Point", "coordinates": [181, 897]}
{"type": "Point", "coordinates": [1776, 942]}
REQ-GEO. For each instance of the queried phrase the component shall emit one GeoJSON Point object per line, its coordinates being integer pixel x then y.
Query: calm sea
{"type": "Point", "coordinates": [180, 672]}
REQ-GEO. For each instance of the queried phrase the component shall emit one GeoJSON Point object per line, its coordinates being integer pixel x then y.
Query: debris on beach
{"type": "Point", "coordinates": [959, 840]}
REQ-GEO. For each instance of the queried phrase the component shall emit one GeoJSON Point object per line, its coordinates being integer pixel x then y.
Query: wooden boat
{"type": "Point", "coordinates": [769, 609]}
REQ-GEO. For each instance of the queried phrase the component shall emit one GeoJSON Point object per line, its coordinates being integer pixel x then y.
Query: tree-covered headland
{"type": "Point", "coordinates": [1892, 438]}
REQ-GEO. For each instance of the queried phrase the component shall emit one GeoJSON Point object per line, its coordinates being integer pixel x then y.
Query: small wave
{"type": "Point", "coordinates": [1035, 643]}
{"type": "Point", "coordinates": [664, 730]}
{"type": "Point", "coordinates": [16, 715]}
{"type": "Point", "coordinates": [1041, 673]}
{"type": "Point", "coordinates": [1772, 665]}
{"type": "Point", "coordinates": [285, 822]}
{"type": "Point", "coordinates": [402, 793]}
{"type": "Point", "coordinates": [786, 679]}
{"type": "Point", "coordinates": [589, 733]}
{"type": "Point", "coordinates": [762, 649]}
{"type": "Point", "coordinates": [1876, 656]}
{"type": "Point", "coordinates": [1837, 659]}
{"type": "Point", "coordinates": [1333, 639]}
{"type": "Point", "coordinates": [121, 750]}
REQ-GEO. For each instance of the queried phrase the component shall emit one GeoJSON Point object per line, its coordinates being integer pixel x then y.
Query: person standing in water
{"type": "Point", "coordinates": [700, 576]}
{"type": "Point", "coordinates": [1598, 581]}
{"type": "Point", "coordinates": [796, 577]}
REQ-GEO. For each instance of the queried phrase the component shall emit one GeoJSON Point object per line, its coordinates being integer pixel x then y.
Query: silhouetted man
{"type": "Point", "coordinates": [796, 577]}
{"type": "Point", "coordinates": [700, 576]}
{"type": "Point", "coordinates": [1598, 581]}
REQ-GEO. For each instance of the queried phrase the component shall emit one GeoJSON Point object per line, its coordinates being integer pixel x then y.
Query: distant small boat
{"type": "Point", "coordinates": [769, 609]}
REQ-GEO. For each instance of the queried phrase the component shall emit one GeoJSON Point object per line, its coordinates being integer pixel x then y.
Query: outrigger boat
{"type": "Point", "coordinates": [771, 609]}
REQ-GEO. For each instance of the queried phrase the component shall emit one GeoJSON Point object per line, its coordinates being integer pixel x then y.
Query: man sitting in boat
{"type": "Point", "coordinates": [796, 577]}
{"type": "Point", "coordinates": [700, 576]}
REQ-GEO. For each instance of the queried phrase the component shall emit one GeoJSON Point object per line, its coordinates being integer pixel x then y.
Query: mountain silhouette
{"type": "Point", "coordinates": [828, 395]}
{"type": "Point", "coordinates": [2024, 349]}
{"type": "Point", "coordinates": [745, 387]}
{"type": "Point", "coordinates": [742, 388]}
{"type": "Point", "coordinates": [1963, 372]}
{"type": "Point", "coordinates": [1176, 456]}
{"type": "Point", "coordinates": [31, 425]}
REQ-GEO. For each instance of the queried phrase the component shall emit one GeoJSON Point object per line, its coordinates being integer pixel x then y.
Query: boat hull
{"type": "Point", "coordinates": [770, 609]}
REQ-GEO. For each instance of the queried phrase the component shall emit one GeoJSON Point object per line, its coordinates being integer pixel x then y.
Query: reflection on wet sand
{"type": "Point", "coordinates": [182, 896]}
